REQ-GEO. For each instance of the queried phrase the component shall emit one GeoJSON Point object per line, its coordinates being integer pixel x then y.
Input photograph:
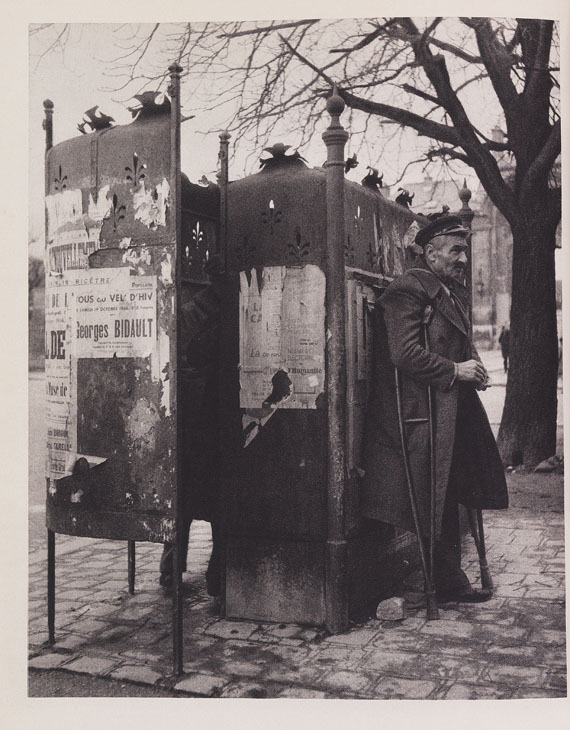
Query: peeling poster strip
{"type": "Point", "coordinates": [73, 233]}
{"type": "Point", "coordinates": [150, 207]}
{"type": "Point", "coordinates": [282, 337]}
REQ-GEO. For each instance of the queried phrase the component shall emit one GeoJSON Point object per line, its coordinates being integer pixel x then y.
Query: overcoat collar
{"type": "Point", "coordinates": [436, 292]}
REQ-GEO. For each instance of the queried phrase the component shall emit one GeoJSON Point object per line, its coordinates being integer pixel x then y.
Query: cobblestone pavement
{"type": "Point", "coordinates": [510, 647]}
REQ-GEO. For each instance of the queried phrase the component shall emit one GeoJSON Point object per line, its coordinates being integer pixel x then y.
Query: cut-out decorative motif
{"type": "Point", "coordinates": [60, 181]}
{"type": "Point", "coordinates": [273, 217]}
{"type": "Point", "coordinates": [300, 249]}
{"type": "Point", "coordinates": [136, 174]}
{"type": "Point", "coordinates": [349, 251]}
{"type": "Point", "coordinates": [117, 211]}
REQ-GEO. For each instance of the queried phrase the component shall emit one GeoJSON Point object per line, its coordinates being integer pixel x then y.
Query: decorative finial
{"type": "Point", "coordinates": [335, 103]}
{"type": "Point", "coordinates": [48, 104]}
{"type": "Point", "coordinates": [465, 193]}
{"type": "Point", "coordinates": [96, 120]}
{"type": "Point", "coordinates": [373, 179]}
{"type": "Point", "coordinates": [150, 103]}
{"type": "Point", "coordinates": [404, 198]}
{"type": "Point", "coordinates": [278, 156]}
{"type": "Point", "coordinates": [225, 136]}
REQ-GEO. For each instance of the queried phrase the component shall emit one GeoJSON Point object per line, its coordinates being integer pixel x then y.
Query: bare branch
{"type": "Point", "coordinates": [263, 29]}
{"type": "Point", "coordinates": [424, 126]}
{"type": "Point", "coordinates": [449, 152]}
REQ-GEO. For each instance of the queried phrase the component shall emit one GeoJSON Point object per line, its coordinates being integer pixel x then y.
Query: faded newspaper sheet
{"type": "Point", "coordinates": [282, 337]}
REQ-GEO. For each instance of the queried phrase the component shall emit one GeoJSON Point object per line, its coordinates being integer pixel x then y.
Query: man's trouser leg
{"type": "Point", "coordinates": [214, 571]}
{"type": "Point", "coordinates": [448, 573]}
{"type": "Point", "coordinates": [166, 560]}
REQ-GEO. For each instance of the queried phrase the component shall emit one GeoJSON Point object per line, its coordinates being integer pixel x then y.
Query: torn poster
{"type": "Point", "coordinates": [100, 313]}
{"type": "Point", "coordinates": [282, 337]}
{"type": "Point", "coordinates": [61, 401]}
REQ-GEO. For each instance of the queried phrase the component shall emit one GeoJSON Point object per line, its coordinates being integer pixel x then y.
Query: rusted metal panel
{"type": "Point", "coordinates": [111, 249]}
{"type": "Point", "coordinates": [377, 232]}
{"type": "Point", "coordinates": [275, 580]}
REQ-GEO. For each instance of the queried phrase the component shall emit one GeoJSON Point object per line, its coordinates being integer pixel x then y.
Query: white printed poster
{"type": "Point", "coordinates": [282, 337]}
{"type": "Point", "coordinates": [101, 313]}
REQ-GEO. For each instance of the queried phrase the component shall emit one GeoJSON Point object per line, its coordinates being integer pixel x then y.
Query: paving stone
{"type": "Point", "coordinates": [90, 665]}
{"type": "Point", "coordinates": [89, 626]}
{"type": "Point", "coordinates": [133, 613]}
{"type": "Point", "coordinates": [102, 609]}
{"type": "Point", "coordinates": [545, 580]}
{"type": "Point", "coordinates": [70, 642]}
{"type": "Point", "coordinates": [557, 678]}
{"type": "Point", "coordinates": [498, 618]}
{"type": "Point", "coordinates": [514, 675]}
{"type": "Point", "coordinates": [201, 684]}
{"type": "Point", "coordinates": [506, 634]}
{"type": "Point", "coordinates": [511, 591]}
{"type": "Point", "coordinates": [520, 654]}
{"type": "Point", "coordinates": [298, 675]}
{"type": "Point", "coordinates": [301, 693]}
{"type": "Point", "coordinates": [308, 634]}
{"type": "Point", "coordinates": [248, 690]}
{"type": "Point", "coordinates": [343, 681]}
{"type": "Point", "coordinates": [47, 661]}
{"type": "Point", "coordinates": [84, 595]}
{"type": "Point", "coordinates": [555, 657]}
{"type": "Point", "coordinates": [456, 629]}
{"type": "Point", "coordinates": [551, 593]}
{"type": "Point", "coordinates": [459, 691]}
{"type": "Point", "coordinates": [445, 647]}
{"type": "Point", "coordinates": [527, 693]}
{"type": "Point", "coordinates": [282, 630]}
{"type": "Point", "coordinates": [144, 657]}
{"type": "Point", "coordinates": [38, 638]}
{"type": "Point", "coordinates": [397, 688]}
{"type": "Point", "coordinates": [231, 629]}
{"type": "Point", "coordinates": [358, 637]}
{"type": "Point", "coordinates": [447, 667]}
{"type": "Point", "coordinates": [136, 673]}
{"type": "Point", "coordinates": [392, 662]}
{"type": "Point", "coordinates": [327, 655]}
{"type": "Point", "coordinates": [505, 579]}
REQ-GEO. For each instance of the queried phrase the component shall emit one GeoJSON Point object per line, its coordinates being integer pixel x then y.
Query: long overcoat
{"type": "Point", "coordinates": [458, 415]}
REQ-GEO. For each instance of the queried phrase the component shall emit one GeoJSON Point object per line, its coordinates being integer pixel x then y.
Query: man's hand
{"type": "Point", "coordinates": [472, 371]}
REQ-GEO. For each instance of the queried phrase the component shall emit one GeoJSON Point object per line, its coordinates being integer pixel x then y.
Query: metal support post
{"type": "Point", "coordinates": [175, 352]}
{"type": "Point", "coordinates": [467, 215]}
{"type": "Point", "coordinates": [51, 585]}
{"type": "Point", "coordinates": [223, 179]}
{"type": "Point", "coordinates": [336, 579]}
{"type": "Point", "coordinates": [131, 565]}
{"type": "Point", "coordinates": [48, 128]}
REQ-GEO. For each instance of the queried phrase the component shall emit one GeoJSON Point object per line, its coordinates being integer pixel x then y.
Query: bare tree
{"type": "Point", "coordinates": [447, 79]}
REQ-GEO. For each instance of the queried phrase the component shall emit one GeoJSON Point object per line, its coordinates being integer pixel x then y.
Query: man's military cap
{"type": "Point", "coordinates": [445, 225]}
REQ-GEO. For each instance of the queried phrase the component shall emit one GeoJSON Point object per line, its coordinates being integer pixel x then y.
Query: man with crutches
{"type": "Point", "coordinates": [429, 445]}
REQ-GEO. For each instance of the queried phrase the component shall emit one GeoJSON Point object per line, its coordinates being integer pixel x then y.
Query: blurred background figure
{"type": "Point", "coordinates": [504, 341]}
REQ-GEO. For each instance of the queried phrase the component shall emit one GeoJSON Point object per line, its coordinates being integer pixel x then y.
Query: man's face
{"type": "Point", "coordinates": [447, 257]}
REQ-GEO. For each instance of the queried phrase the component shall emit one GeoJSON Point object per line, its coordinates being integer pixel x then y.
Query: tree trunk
{"type": "Point", "coordinates": [528, 427]}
